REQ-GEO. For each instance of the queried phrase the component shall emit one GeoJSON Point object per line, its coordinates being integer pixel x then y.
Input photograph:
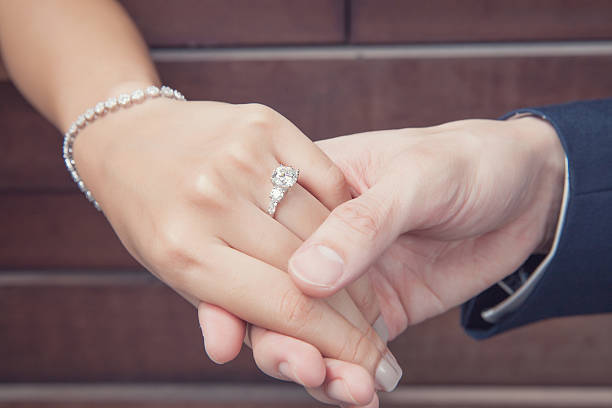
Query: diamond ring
{"type": "Point", "coordinates": [282, 179]}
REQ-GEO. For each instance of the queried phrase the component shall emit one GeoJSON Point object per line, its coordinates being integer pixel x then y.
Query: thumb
{"type": "Point", "coordinates": [354, 235]}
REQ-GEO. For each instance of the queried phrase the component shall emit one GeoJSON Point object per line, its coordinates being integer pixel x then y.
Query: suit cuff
{"type": "Point", "coordinates": [519, 295]}
{"type": "Point", "coordinates": [507, 297]}
{"type": "Point", "coordinates": [578, 280]}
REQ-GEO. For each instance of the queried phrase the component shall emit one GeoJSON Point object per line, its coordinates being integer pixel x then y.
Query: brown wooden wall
{"type": "Point", "coordinates": [76, 311]}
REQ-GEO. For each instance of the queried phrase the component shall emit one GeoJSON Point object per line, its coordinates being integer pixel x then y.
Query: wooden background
{"type": "Point", "coordinates": [82, 324]}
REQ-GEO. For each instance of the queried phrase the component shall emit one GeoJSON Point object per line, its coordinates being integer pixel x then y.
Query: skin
{"type": "Point", "coordinates": [437, 217]}
{"type": "Point", "coordinates": [179, 181]}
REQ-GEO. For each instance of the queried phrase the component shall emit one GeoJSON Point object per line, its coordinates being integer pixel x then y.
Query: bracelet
{"type": "Point", "coordinates": [100, 109]}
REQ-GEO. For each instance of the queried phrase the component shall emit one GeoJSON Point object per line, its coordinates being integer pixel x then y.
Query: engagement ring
{"type": "Point", "coordinates": [282, 179]}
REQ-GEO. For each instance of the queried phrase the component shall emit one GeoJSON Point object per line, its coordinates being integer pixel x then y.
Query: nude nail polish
{"type": "Point", "coordinates": [380, 327]}
{"type": "Point", "coordinates": [388, 373]}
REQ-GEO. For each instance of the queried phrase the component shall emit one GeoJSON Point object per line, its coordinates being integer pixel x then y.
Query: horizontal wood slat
{"type": "Point", "coordinates": [114, 332]}
{"type": "Point", "coordinates": [328, 97]}
{"type": "Point", "coordinates": [192, 23]}
{"type": "Point", "coordinates": [247, 395]}
{"type": "Point", "coordinates": [142, 331]}
{"type": "Point", "coordinates": [410, 21]}
{"type": "Point", "coordinates": [57, 231]}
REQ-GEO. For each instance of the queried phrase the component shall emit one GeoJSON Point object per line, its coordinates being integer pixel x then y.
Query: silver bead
{"type": "Point", "coordinates": [111, 103]}
{"type": "Point", "coordinates": [97, 206]}
{"type": "Point", "coordinates": [167, 92]}
{"type": "Point", "coordinates": [100, 108]}
{"type": "Point", "coordinates": [75, 175]}
{"type": "Point", "coordinates": [89, 196]}
{"type": "Point", "coordinates": [138, 96]}
{"type": "Point", "coordinates": [81, 186]}
{"type": "Point", "coordinates": [67, 150]}
{"type": "Point", "coordinates": [73, 129]}
{"type": "Point", "coordinates": [124, 99]}
{"type": "Point", "coordinates": [90, 114]}
{"type": "Point", "coordinates": [68, 164]}
{"type": "Point", "coordinates": [80, 122]}
{"type": "Point", "coordinates": [152, 91]}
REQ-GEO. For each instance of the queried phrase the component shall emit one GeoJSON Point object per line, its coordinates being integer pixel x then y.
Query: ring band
{"type": "Point", "coordinates": [283, 178]}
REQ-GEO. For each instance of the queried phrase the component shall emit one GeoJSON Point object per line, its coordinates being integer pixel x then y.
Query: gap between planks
{"type": "Point", "coordinates": [402, 51]}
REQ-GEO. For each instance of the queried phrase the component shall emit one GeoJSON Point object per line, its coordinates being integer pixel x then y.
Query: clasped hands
{"type": "Point", "coordinates": [384, 229]}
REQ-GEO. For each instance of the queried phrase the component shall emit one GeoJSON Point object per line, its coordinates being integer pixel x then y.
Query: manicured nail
{"type": "Point", "coordinates": [286, 371]}
{"type": "Point", "coordinates": [388, 373]}
{"type": "Point", "coordinates": [380, 327]}
{"type": "Point", "coordinates": [317, 265]}
{"type": "Point", "coordinates": [203, 334]}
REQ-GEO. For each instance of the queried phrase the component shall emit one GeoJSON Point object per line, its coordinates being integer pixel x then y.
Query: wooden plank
{"type": "Point", "coordinates": [113, 332]}
{"type": "Point", "coordinates": [57, 231]}
{"type": "Point", "coordinates": [104, 331]}
{"type": "Point", "coordinates": [246, 395]}
{"type": "Point", "coordinates": [31, 147]}
{"type": "Point", "coordinates": [411, 21]}
{"type": "Point", "coordinates": [328, 97]}
{"type": "Point", "coordinates": [566, 351]}
{"type": "Point", "coordinates": [194, 23]}
{"type": "Point", "coordinates": [160, 394]}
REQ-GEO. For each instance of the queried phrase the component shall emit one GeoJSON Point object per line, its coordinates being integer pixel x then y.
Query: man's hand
{"type": "Point", "coordinates": [439, 213]}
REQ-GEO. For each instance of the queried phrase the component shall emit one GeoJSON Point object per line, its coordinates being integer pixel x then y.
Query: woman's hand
{"type": "Point", "coordinates": [185, 186]}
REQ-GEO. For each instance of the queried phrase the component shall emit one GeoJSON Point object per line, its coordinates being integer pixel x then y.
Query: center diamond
{"type": "Point", "coordinates": [284, 176]}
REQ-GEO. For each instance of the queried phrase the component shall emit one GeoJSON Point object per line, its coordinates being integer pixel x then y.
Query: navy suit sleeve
{"type": "Point", "coordinates": [578, 279]}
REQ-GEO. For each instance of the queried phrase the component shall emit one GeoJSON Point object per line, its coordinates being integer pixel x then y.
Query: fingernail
{"type": "Point", "coordinates": [286, 371]}
{"type": "Point", "coordinates": [317, 265]}
{"type": "Point", "coordinates": [388, 372]}
{"type": "Point", "coordinates": [380, 327]}
{"type": "Point", "coordinates": [338, 390]}
{"type": "Point", "coordinates": [203, 333]}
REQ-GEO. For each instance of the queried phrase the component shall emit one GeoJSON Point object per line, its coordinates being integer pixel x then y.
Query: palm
{"type": "Point", "coordinates": [427, 277]}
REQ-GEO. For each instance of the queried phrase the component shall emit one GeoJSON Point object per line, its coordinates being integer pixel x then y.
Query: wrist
{"type": "Point", "coordinates": [75, 105]}
{"type": "Point", "coordinates": [113, 118]}
{"type": "Point", "coordinates": [548, 153]}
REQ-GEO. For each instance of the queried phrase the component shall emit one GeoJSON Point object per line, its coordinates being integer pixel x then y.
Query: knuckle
{"type": "Point", "coordinates": [359, 348]}
{"type": "Point", "coordinates": [170, 254]}
{"type": "Point", "coordinates": [367, 302]}
{"type": "Point", "coordinates": [335, 180]}
{"type": "Point", "coordinates": [298, 310]}
{"type": "Point", "coordinates": [242, 156]}
{"type": "Point", "coordinates": [258, 117]}
{"type": "Point", "coordinates": [205, 188]}
{"type": "Point", "coordinates": [362, 218]}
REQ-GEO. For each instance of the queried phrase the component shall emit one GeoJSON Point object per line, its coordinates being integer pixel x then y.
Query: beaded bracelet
{"type": "Point", "coordinates": [100, 109]}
